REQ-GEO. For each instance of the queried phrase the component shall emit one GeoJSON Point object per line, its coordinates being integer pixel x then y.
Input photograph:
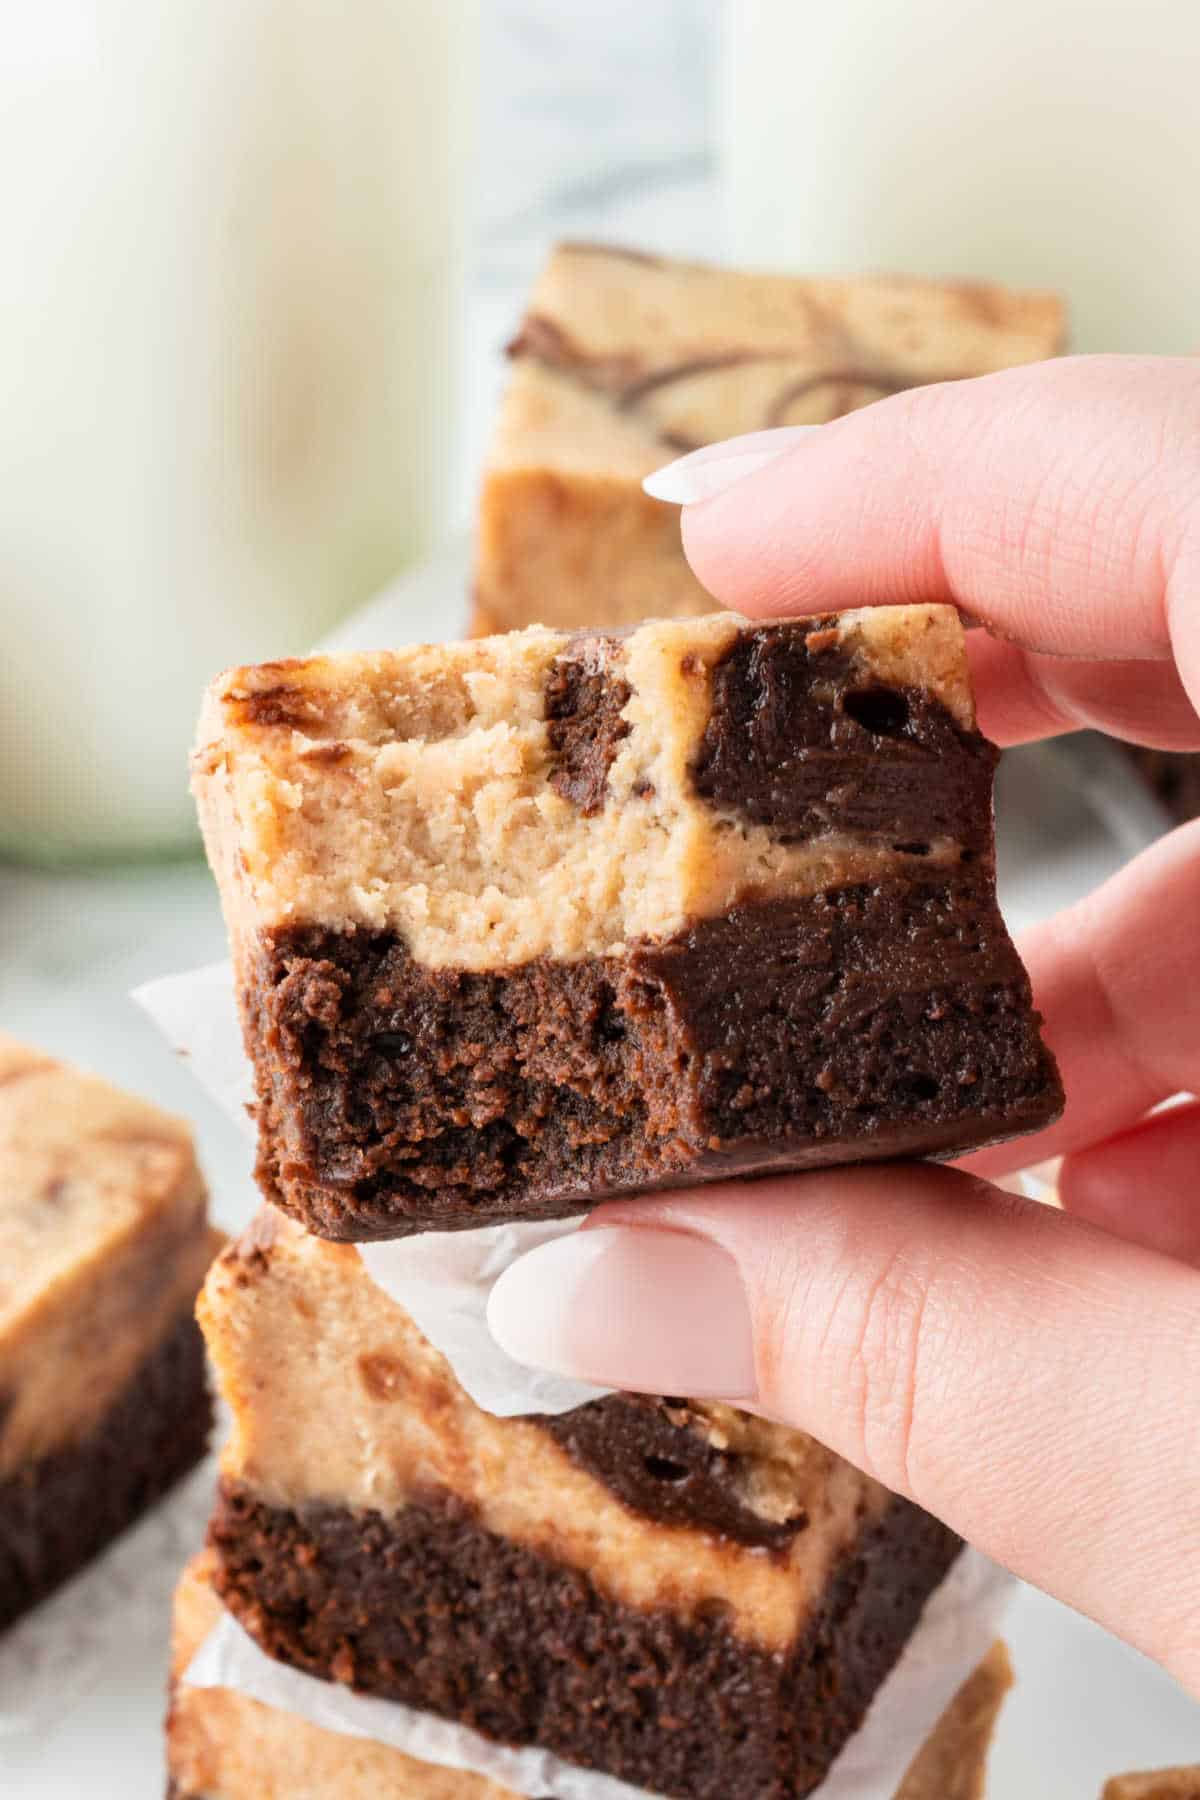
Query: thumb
{"type": "Point", "coordinates": [1029, 1379]}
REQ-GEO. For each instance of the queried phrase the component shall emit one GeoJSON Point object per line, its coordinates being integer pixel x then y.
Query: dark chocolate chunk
{"type": "Point", "coordinates": [798, 742]}
{"type": "Point", "coordinates": [584, 701]}
{"type": "Point", "coordinates": [655, 1457]}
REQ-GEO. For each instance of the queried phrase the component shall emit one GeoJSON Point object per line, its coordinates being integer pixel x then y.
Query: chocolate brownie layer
{"type": "Point", "coordinates": [572, 917]}
{"type": "Point", "coordinates": [863, 1023]}
{"type": "Point", "coordinates": [223, 1745]}
{"type": "Point", "coordinates": [59, 1512]}
{"type": "Point", "coordinates": [430, 1609]}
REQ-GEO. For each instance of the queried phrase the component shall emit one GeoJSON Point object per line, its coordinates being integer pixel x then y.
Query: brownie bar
{"type": "Point", "coordinates": [59, 1512]}
{"type": "Point", "coordinates": [1156, 1784]}
{"type": "Point", "coordinates": [693, 1600]}
{"type": "Point", "coordinates": [104, 1242]}
{"type": "Point", "coordinates": [223, 1746]}
{"type": "Point", "coordinates": [624, 360]}
{"type": "Point", "coordinates": [521, 923]}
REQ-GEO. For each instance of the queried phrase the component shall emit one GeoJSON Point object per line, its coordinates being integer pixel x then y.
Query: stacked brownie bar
{"type": "Point", "coordinates": [518, 924]}
{"type": "Point", "coordinates": [1156, 1784]}
{"type": "Point", "coordinates": [104, 1242]}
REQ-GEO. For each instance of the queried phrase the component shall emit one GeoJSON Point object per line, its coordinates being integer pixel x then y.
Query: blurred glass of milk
{"type": "Point", "coordinates": [230, 258]}
{"type": "Point", "coordinates": [1047, 143]}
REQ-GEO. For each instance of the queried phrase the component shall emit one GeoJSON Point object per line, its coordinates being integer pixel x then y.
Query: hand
{"type": "Point", "coordinates": [1031, 1376]}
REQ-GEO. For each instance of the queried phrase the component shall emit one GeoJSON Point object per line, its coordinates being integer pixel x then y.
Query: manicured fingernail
{"type": "Point", "coordinates": [657, 1312]}
{"type": "Point", "coordinates": [702, 473]}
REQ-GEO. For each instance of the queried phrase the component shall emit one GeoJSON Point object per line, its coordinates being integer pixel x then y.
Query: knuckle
{"type": "Point", "coordinates": [888, 1370]}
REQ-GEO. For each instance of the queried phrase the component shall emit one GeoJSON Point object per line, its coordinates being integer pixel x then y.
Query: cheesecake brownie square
{"type": "Point", "coordinates": [104, 1241]}
{"type": "Point", "coordinates": [222, 1745]}
{"type": "Point", "coordinates": [625, 360]}
{"type": "Point", "coordinates": [522, 922]}
{"type": "Point", "coordinates": [1156, 1784]}
{"type": "Point", "coordinates": [670, 1591]}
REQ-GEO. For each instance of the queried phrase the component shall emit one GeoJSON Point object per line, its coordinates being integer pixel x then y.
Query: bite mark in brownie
{"type": "Point", "coordinates": [759, 931]}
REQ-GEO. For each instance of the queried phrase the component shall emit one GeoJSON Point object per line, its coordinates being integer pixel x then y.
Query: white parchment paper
{"type": "Point", "coordinates": [959, 1623]}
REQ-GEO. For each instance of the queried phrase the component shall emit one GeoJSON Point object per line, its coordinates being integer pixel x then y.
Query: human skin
{"type": "Point", "coordinates": [1031, 1376]}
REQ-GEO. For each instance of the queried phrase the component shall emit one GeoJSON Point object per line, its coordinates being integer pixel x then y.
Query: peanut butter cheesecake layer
{"type": "Point", "coordinates": [522, 922]}
{"type": "Point", "coordinates": [223, 1746]}
{"type": "Point", "coordinates": [625, 360]}
{"type": "Point", "coordinates": [104, 1242]}
{"type": "Point", "coordinates": [672, 1592]}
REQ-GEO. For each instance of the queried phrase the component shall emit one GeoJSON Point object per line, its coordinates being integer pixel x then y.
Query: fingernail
{"type": "Point", "coordinates": [702, 473]}
{"type": "Point", "coordinates": [657, 1312]}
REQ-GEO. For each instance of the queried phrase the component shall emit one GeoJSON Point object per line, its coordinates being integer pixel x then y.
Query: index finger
{"type": "Point", "coordinates": [1058, 504]}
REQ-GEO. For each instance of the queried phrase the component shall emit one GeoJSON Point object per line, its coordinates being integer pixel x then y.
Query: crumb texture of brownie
{"type": "Point", "coordinates": [624, 360]}
{"type": "Point", "coordinates": [428, 1609]}
{"type": "Point", "coordinates": [58, 1512]}
{"type": "Point", "coordinates": [225, 1746]}
{"type": "Point", "coordinates": [576, 916]}
{"type": "Point", "coordinates": [870, 1022]}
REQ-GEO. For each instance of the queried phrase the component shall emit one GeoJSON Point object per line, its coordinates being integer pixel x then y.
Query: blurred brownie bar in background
{"type": "Point", "coordinates": [104, 1242]}
{"type": "Point", "coordinates": [624, 360]}
{"type": "Point", "coordinates": [521, 922]}
{"type": "Point", "coordinates": [1156, 1784]}
{"type": "Point", "coordinates": [222, 1745]}
{"type": "Point", "coordinates": [694, 1600]}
